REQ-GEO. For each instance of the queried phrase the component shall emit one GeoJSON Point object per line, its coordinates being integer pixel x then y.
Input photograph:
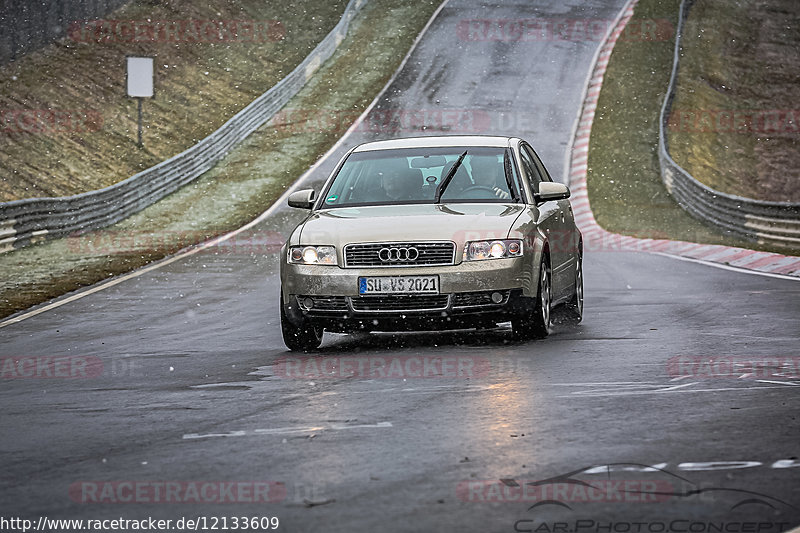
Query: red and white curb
{"type": "Point", "coordinates": [597, 239]}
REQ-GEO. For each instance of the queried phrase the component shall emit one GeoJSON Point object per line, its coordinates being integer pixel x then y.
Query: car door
{"type": "Point", "coordinates": [553, 221]}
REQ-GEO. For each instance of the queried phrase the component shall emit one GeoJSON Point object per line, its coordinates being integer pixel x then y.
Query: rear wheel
{"type": "Point", "coordinates": [302, 337]}
{"type": "Point", "coordinates": [535, 323]}
{"type": "Point", "coordinates": [573, 309]}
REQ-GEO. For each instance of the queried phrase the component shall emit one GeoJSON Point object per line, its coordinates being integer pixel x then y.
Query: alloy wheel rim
{"type": "Point", "coordinates": [545, 297]}
{"type": "Point", "coordinates": [579, 287]}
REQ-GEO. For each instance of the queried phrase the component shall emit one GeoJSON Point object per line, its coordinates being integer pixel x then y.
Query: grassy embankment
{"type": "Point", "coordinates": [199, 85]}
{"type": "Point", "coordinates": [245, 183]}
{"type": "Point", "coordinates": [624, 182]}
{"type": "Point", "coordinates": [735, 123]}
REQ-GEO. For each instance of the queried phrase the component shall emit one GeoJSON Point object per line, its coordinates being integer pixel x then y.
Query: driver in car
{"type": "Point", "coordinates": [400, 184]}
{"type": "Point", "coordinates": [487, 172]}
{"type": "Point", "coordinates": [391, 187]}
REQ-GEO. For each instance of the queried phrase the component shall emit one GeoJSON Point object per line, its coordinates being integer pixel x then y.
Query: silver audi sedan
{"type": "Point", "coordinates": [421, 233]}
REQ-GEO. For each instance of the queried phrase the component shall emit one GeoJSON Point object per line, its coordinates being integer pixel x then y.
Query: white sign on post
{"type": "Point", "coordinates": [140, 85]}
{"type": "Point", "coordinates": [140, 77]}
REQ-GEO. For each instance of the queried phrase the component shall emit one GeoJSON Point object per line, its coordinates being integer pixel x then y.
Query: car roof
{"type": "Point", "coordinates": [439, 141]}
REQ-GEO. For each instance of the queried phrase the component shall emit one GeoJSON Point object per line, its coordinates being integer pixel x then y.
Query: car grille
{"type": "Point", "coordinates": [430, 253]}
{"type": "Point", "coordinates": [478, 299]}
{"type": "Point", "coordinates": [394, 303]}
{"type": "Point", "coordinates": [326, 304]}
{"type": "Point", "coordinates": [397, 303]}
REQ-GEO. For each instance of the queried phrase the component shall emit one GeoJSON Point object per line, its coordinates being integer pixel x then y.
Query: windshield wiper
{"type": "Point", "coordinates": [447, 179]}
{"type": "Point", "coordinates": [508, 172]}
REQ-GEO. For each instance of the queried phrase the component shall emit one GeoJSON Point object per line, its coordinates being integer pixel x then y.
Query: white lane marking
{"type": "Point", "coordinates": [285, 431]}
{"type": "Point", "coordinates": [595, 383]}
{"type": "Point", "coordinates": [592, 394]}
{"type": "Point", "coordinates": [231, 434]}
{"type": "Point", "coordinates": [718, 465]}
{"type": "Point", "coordinates": [607, 469]}
{"type": "Point", "coordinates": [428, 390]}
{"type": "Point", "coordinates": [778, 382]}
{"type": "Point", "coordinates": [772, 338]}
{"type": "Point", "coordinates": [676, 387]}
{"type": "Point", "coordinates": [690, 467]}
{"type": "Point", "coordinates": [786, 463]}
{"type": "Point", "coordinates": [279, 202]}
{"type": "Point", "coordinates": [728, 267]}
{"type": "Point", "coordinates": [624, 389]}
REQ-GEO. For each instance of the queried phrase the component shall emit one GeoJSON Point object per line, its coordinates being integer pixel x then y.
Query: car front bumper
{"type": "Point", "coordinates": [467, 276]}
{"type": "Point", "coordinates": [469, 292]}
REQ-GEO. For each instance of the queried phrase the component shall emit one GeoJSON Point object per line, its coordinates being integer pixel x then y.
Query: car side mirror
{"type": "Point", "coordinates": [303, 199]}
{"type": "Point", "coordinates": [551, 191]}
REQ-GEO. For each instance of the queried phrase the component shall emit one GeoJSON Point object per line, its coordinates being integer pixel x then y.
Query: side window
{"type": "Point", "coordinates": [530, 167]}
{"type": "Point", "coordinates": [518, 180]}
{"type": "Point", "coordinates": [543, 171]}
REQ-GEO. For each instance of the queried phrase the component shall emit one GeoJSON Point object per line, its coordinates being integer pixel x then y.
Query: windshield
{"type": "Point", "coordinates": [412, 176]}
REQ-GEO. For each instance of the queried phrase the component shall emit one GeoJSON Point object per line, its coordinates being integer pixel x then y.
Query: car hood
{"type": "Point", "coordinates": [426, 222]}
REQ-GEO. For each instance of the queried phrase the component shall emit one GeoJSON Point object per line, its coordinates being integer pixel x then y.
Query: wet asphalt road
{"type": "Point", "coordinates": [193, 385]}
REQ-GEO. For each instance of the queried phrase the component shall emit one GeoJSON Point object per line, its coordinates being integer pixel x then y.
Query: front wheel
{"type": "Point", "coordinates": [535, 324]}
{"type": "Point", "coordinates": [299, 338]}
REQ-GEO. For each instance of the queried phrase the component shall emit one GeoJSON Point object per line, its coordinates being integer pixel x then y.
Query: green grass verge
{"type": "Point", "coordinates": [199, 85]}
{"type": "Point", "coordinates": [623, 180]}
{"type": "Point", "coordinates": [240, 187]}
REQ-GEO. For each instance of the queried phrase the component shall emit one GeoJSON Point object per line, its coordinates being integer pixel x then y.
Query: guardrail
{"type": "Point", "coordinates": [29, 220]}
{"type": "Point", "coordinates": [775, 223]}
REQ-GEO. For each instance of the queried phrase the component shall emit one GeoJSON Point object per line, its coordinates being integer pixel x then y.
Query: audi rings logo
{"type": "Point", "coordinates": [397, 255]}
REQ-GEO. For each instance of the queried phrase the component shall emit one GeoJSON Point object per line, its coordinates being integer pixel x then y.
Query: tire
{"type": "Point", "coordinates": [535, 323]}
{"type": "Point", "coordinates": [573, 309]}
{"type": "Point", "coordinates": [300, 338]}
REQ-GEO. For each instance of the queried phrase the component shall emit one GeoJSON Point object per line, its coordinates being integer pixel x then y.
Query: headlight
{"type": "Point", "coordinates": [479, 250]}
{"type": "Point", "coordinates": [312, 255]}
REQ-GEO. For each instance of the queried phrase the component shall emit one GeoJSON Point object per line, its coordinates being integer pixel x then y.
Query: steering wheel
{"type": "Point", "coordinates": [478, 188]}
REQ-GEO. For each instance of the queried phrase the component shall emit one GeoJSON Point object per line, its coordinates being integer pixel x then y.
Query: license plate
{"type": "Point", "coordinates": [399, 285]}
